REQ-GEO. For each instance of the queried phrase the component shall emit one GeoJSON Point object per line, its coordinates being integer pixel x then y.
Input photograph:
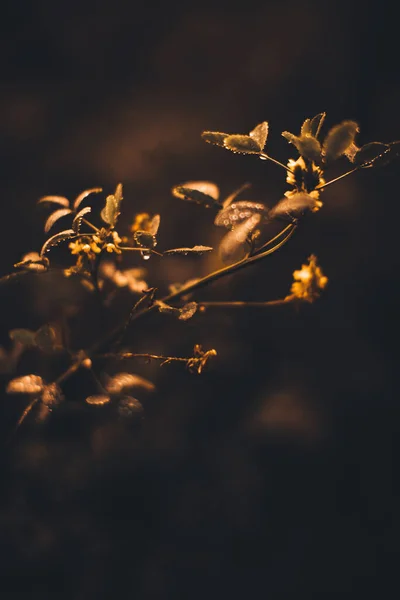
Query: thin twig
{"type": "Point", "coordinates": [264, 156]}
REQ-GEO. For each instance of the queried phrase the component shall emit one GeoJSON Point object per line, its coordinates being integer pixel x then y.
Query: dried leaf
{"type": "Point", "coordinates": [57, 239]}
{"type": "Point", "coordinates": [84, 195]}
{"type": "Point", "coordinates": [195, 250]}
{"type": "Point", "coordinates": [27, 384]}
{"type": "Point", "coordinates": [77, 222]}
{"type": "Point", "coordinates": [60, 200]}
{"type": "Point", "coordinates": [53, 218]}
{"type": "Point", "coordinates": [294, 206]}
{"type": "Point", "coordinates": [196, 194]}
{"type": "Point", "coordinates": [98, 400]}
{"type": "Point", "coordinates": [123, 382]}
{"type": "Point", "coordinates": [242, 144]}
{"type": "Point", "coordinates": [260, 134]}
{"type": "Point", "coordinates": [187, 311]}
{"type": "Point", "coordinates": [339, 139]}
{"type": "Point", "coordinates": [237, 212]}
{"type": "Point", "coordinates": [234, 239]}
{"type": "Point", "coordinates": [110, 212]}
{"type": "Point", "coordinates": [129, 407]}
{"type": "Point", "coordinates": [214, 137]}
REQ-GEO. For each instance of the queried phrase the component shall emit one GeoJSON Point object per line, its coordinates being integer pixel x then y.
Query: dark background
{"type": "Point", "coordinates": [275, 473]}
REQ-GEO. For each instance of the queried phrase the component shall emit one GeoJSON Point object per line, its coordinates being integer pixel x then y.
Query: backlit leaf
{"type": "Point", "coordinates": [154, 225]}
{"type": "Point", "coordinates": [294, 206]}
{"type": "Point", "coordinates": [187, 311]}
{"type": "Point", "coordinates": [371, 154]}
{"type": "Point", "coordinates": [198, 195]}
{"type": "Point", "coordinates": [260, 134]}
{"type": "Point", "coordinates": [77, 222]}
{"type": "Point", "coordinates": [339, 138]}
{"type": "Point", "coordinates": [242, 144]}
{"type": "Point", "coordinates": [195, 250]}
{"type": "Point", "coordinates": [234, 239]}
{"type": "Point", "coordinates": [313, 126]}
{"type": "Point", "coordinates": [27, 384]}
{"type": "Point", "coordinates": [214, 137]}
{"type": "Point", "coordinates": [98, 400]}
{"type": "Point", "coordinates": [123, 382]}
{"type": "Point", "coordinates": [57, 239]}
{"type": "Point", "coordinates": [110, 212]}
{"type": "Point", "coordinates": [60, 200]}
{"type": "Point", "coordinates": [307, 146]}
{"type": "Point", "coordinates": [237, 212]}
{"type": "Point", "coordinates": [53, 218]}
{"type": "Point", "coordinates": [84, 195]}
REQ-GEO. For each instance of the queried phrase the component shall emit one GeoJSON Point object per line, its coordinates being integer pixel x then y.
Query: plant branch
{"type": "Point", "coordinates": [264, 156]}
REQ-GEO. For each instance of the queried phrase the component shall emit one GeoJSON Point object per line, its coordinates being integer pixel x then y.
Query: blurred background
{"type": "Point", "coordinates": [275, 472]}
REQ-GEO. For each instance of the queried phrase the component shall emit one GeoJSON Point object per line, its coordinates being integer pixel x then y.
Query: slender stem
{"type": "Point", "coordinates": [324, 185]}
{"type": "Point", "coordinates": [125, 355]}
{"type": "Point", "coordinates": [139, 250]}
{"type": "Point", "coordinates": [229, 270]}
{"type": "Point", "coordinates": [272, 240]}
{"type": "Point", "coordinates": [22, 418]}
{"type": "Point", "coordinates": [89, 224]}
{"type": "Point", "coordinates": [240, 304]}
{"type": "Point", "coordinates": [267, 157]}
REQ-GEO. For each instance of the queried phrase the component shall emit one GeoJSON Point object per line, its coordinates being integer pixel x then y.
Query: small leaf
{"type": "Point", "coordinates": [195, 250]}
{"type": "Point", "coordinates": [84, 195]}
{"type": "Point", "coordinates": [56, 239]}
{"type": "Point", "coordinates": [144, 239]}
{"type": "Point", "coordinates": [98, 400]}
{"type": "Point", "coordinates": [234, 239]}
{"type": "Point", "coordinates": [294, 205]}
{"type": "Point", "coordinates": [260, 134]}
{"type": "Point", "coordinates": [27, 384]}
{"type": "Point", "coordinates": [198, 195]}
{"type": "Point", "coordinates": [313, 126]}
{"type": "Point", "coordinates": [187, 311]}
{"type": "Point", "coordinates": [60, 200]}
{"type": "Point", "coordinates": [33, 262]}
{"type": "Point", "coordinates": [129, 407]}
{"type": "Point", "coordinates": [77, 222]}
{"type": "Point", "coordinates": [242, 144]}
{"type": "Point", "coordinates": [110, 212]}
{"type": "Point", "coordinates": [237, 212]}
{"type": "Point", "coordinates": [370, 154]}
{"type": "Point", "coordinates": [214, 137]}
{"type": "Point", "coordinates": [118, 193]}
{"type": "Point", "coordinates": [339, 138]}
{"type": "Point", "coordinates": [154, 225]}
{"type": "Point", "coordinates": [53, 218]}
{"type": "Point", "coordinates": [123, 382]}
{"type": "Point", "coordinates": [25, 337]}
{"type": "Point", "coordinates": [45, 338]}
{"type": "Point", "coordinates": [307, 146]}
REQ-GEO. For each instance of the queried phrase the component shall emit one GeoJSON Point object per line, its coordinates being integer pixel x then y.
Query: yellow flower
{"type": "Point", "coordinates": [308, 281]}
